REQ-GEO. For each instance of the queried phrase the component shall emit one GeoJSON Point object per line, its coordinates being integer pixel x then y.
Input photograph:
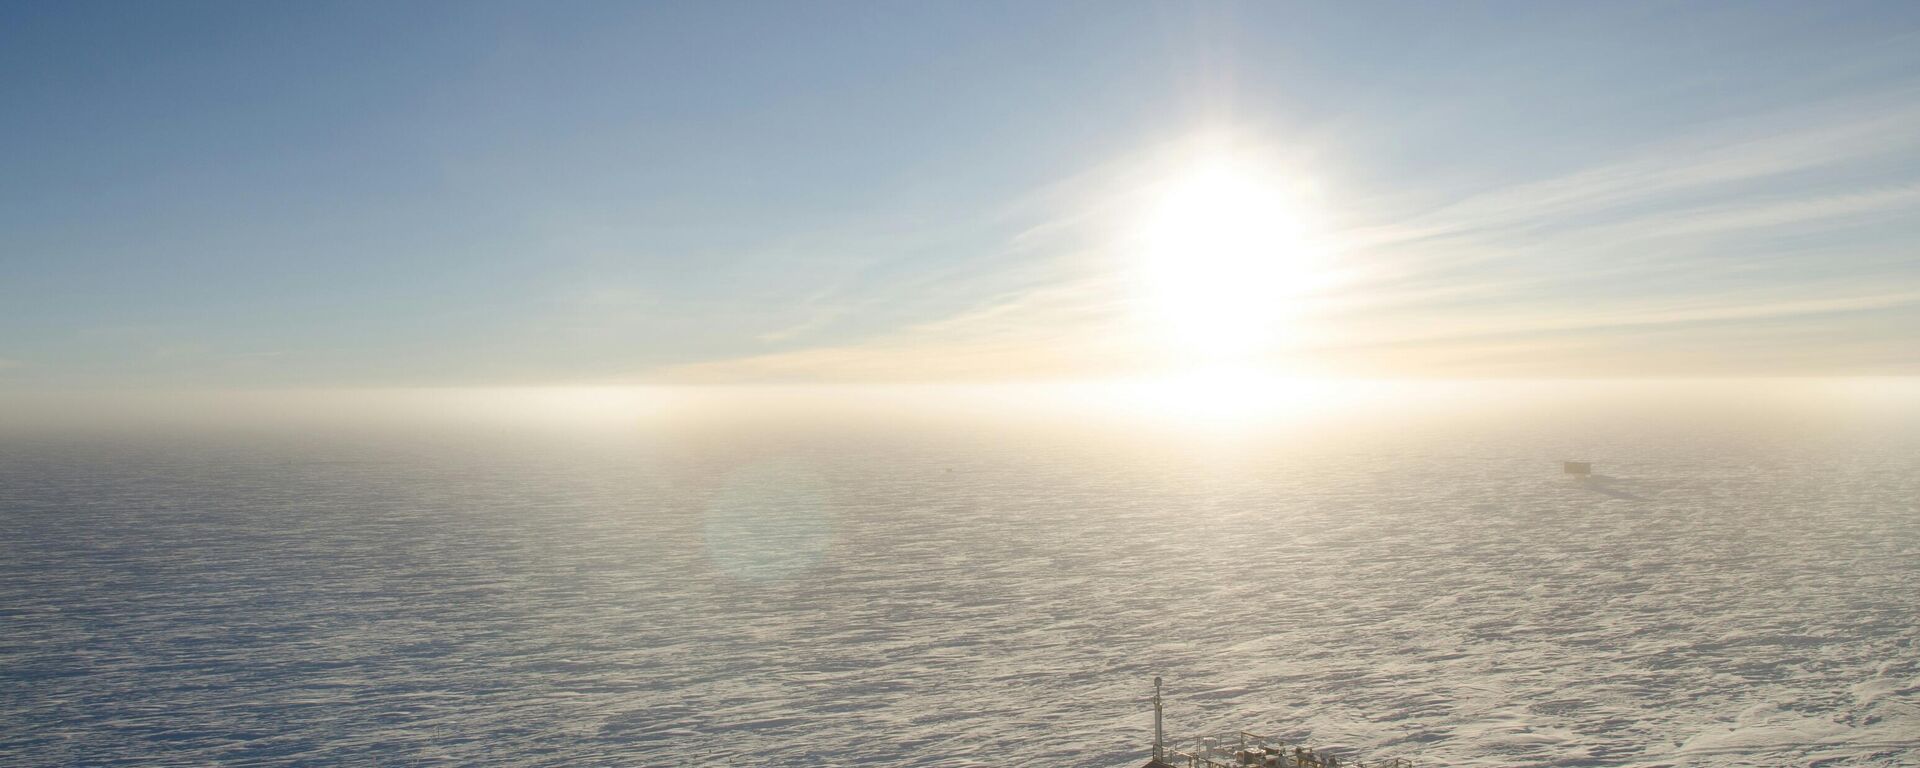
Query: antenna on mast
{"type": "Point", "coordinates": [1159, 733]}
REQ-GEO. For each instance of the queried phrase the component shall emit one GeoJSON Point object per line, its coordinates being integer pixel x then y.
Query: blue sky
{"type": "Point", "coordinates": [379, 194]}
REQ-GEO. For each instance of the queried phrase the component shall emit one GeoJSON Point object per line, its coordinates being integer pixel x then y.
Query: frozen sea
{"type": "Point", "coordinates": [1739, 584]}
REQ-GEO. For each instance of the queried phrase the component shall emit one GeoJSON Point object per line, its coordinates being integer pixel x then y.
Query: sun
{"type": "Point", "coordinates": [1225, 254]}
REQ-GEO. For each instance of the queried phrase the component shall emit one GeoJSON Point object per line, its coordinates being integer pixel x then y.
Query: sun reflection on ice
{"type": "Point", "coordinates": [1216, 398]}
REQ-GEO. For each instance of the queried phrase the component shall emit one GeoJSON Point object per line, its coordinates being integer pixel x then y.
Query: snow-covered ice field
{"type": "Point", "coordinates": [1734, 589]}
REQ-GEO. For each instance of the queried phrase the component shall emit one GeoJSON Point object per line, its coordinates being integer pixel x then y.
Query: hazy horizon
{"type": "Point", "coordinates": [1180, 402]}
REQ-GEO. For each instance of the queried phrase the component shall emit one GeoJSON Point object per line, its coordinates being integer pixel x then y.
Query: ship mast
{"type": "Point", "coordinates": [1159, 734]}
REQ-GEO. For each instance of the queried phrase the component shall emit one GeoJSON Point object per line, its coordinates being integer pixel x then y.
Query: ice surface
{"type": "Point", "coordinates": [1713, 596]}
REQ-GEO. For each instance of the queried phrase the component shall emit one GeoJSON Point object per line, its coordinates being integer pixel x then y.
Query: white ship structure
{"type": "Point", "coordinates": [1245, 749]}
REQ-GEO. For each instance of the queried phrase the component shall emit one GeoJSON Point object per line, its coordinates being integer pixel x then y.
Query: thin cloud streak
{"type": "Point", "coordinates": [1520, 261]}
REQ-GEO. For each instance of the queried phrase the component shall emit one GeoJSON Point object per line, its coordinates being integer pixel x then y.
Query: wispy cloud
{"type": "Point", "coordinates": [1709, 164]}
{"type": "Point", "coordinates": [1752, 224]}
{"type": "Point", "coordinates": [1706, 243]}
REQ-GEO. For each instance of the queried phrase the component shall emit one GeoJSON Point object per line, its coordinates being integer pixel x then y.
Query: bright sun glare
{"type": "Point", "coordinates": [1226, 254]}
